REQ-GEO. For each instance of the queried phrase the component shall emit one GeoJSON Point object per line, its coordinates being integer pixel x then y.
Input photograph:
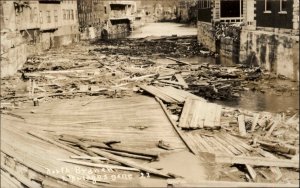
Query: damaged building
{"type": "Point", "coordinates": [107, 19]}
{"type": "Point", "coordinates": [28, 27]}
{"type": "Point", "coordinates": [255, 32]}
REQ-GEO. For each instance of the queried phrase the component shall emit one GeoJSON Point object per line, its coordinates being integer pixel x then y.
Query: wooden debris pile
{"type": "Point", "coordinates": [235, 137]}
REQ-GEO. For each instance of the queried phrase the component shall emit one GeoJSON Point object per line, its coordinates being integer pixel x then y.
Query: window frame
{"type": "Point", "coordinates": [267, 11]}
{"type": "Point", "coordinates": [281, 11]}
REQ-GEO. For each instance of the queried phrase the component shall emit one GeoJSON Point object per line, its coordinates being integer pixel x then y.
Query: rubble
{"type": "Point", "coordinates": [248, 140]}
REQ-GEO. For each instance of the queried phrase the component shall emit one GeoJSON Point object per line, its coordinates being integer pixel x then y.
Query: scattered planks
{"type": "Point", "coordinates": [20, 178]}
{"type": "Point", "coordinates": [169, 94]}
{"type": "Point", "coordinates": [93, 152]}
{"type": "Point", "coordinates": [200, 114]}
{"type": "Point", "coordinates": [98, 165]}
{"type": "Point", "coordinates": [256, 161]}
{"type": "Point", "coordinates": [181, 81]}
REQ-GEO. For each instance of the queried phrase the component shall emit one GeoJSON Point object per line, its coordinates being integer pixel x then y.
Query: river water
{"type": "Point", "coordinates": [250, 100]}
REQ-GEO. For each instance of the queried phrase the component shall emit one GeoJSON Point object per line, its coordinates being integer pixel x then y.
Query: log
{"type": "Point", "coordinates": [98, 165]}
{"type": "Point", "coordinates": [256, 161]}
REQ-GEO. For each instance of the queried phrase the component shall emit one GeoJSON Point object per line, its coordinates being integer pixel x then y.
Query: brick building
{"type": "Point", "coordinates": [256, 32]}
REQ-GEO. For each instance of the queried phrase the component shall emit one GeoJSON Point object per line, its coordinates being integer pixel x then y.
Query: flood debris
{"type": "Point", "coordinates": [263, 146]}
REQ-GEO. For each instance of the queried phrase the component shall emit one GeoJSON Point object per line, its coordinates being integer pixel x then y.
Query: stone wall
{"type": "Point", "coordinates": [13, 53]}
{"type": "Point", "coordinates": [275, 52]}
{"type": "Point", "coordinates": [205, 35]}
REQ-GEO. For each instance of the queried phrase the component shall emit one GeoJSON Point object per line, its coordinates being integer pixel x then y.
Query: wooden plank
{"type": "Point", "coordinates": [254, 122]}
{"type": "Point", "coordinates": [39, 135]}
{"type": "Point", "coordinates": [185, 113]}
{"type": "Point", "coordinates": [242, 128]}
{"type": "Point", "coordinates": [271, 129]}
{"type": "Point", "coordinates": [19, 177]}
{"type": "Point", "coordinates": [218, 115]}
{"type": "Point", "coordinates": [220, 146]}
{"type": "Point", "coordinates": [195, 115]}
{"type": "Point", "coordinates": [201, 113]}
{"type": "Point", "coordinates": [133, 164]}
{"type": "Point", "coordinates": [181, 81]}
{"type": "Point", "coordinates": [171, 82]}
{"type": "Point", "coordinates": [228, 145]}
{"type": "Point", "coordinates": [240, 142]}
{"type": "Point", "coordinates": [205, 144]}
{"type": "Point", "coordinates": [256, 161]}
{"type": "Point", "coordinates": [251, 171]}
{"type": "Point", "coordinates": [178, 61]}
{"type": "Point", "coordinates": [210, 115]}
{"type": "Point", "coordinates": [185, 141]}
{"type": "Point", "coordinates": [89, 157]}
{"type": "Point", "coordinates": [98, 165]}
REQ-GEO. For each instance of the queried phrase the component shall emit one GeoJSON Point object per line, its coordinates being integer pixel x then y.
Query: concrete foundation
{"type": "Point", "coordinates": [277, 53]}
{"type": "Point", "coordinates": [13, 53]}
{"type": "Point", "coordinates": [205, 35]}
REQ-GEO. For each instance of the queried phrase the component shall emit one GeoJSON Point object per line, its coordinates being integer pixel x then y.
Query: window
{"type": "Point", "coordinates": [204, 4]}
{"type": "Point", "coordinates": [35, 15]}
{"type": "Point", "coordinates": [283, 5]}
{"type": "Point", "coordinates": [41, 17]}
{"type": "Point", "coordinates": [31, 15]}
{"type": "Point", "coordinates": [48, 17]}
{"type": "Point", "coordinates": [268, 6]}
{"type": "Point", "coordinates": [64, 14]}
{"type": "Point", "coordinates": [72, 14]}
{"type": "Point", "coordinates": [105, 11]}
{"type": "Point", "coordinates": [55, 16]}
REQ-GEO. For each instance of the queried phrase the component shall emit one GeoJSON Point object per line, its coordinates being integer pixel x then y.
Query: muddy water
{"type": "Point", "coordinates": [163, 29]}
{"type": "Point", "coordinates": [251, 100]}
{"type": "Point", "coordinates": [256, 101]}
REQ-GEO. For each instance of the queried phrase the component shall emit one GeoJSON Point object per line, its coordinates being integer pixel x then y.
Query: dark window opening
{"type": "Point", "coordinates": [283, 5]}
{"type": "Point", "coordinates": [231, 8]}
{"type": "Point", "coordinates": [117, 7]}
{"type": "Point", "coordinates": [268, 5]}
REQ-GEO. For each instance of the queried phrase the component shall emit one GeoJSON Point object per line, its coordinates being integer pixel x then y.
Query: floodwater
{"type": "Point", "coordinates": [163, 29]}
{"type": "Point", "coordinates": [250, 100]}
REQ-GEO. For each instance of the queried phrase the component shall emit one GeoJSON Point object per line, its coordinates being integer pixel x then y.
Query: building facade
{"type": "Point", "coordinates": [28, 27]}
{"type": "Point", "coordinates": [255, 32]}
